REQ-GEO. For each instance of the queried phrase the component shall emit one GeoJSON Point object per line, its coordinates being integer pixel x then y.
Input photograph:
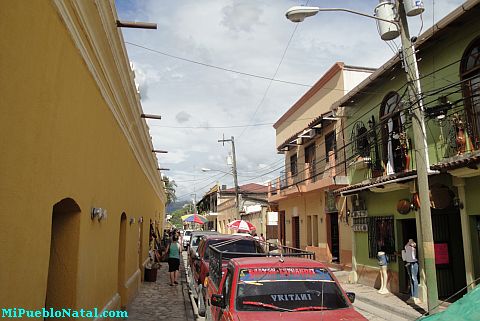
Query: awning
{"type": "Point", "coordinates": [379, 181]}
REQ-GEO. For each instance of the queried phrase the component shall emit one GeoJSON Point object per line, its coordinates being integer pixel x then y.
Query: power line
{"type": "Point", "coordinates": [425, 94]}
{"type": "Point", "coordinates": [274, 75]}
{"type": "Point", "coordinates": [217, 67]}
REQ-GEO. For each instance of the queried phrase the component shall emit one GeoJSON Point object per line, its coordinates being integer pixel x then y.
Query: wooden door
{"type": "Point", "coordinates": [296, 232]}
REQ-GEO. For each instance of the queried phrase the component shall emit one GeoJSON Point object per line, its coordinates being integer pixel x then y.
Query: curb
{"type": "Point", "coordinates": [191, 315]}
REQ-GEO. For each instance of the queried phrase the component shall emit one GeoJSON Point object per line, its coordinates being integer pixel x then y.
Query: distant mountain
{"type": "Point", "coordinates": [175, 206]}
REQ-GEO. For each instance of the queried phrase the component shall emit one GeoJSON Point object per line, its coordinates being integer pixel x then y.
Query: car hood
{"type": "Point", "coordinates": [334, 315]}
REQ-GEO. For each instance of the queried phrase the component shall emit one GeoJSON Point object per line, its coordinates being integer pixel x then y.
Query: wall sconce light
{"type": "Point", "coordinates": [301, 221]}
{"type": "Point", "coordinates": [321, 220]}
{"type": "Point", "coordinates": [132, 220]}
{"type": "Point", "coordinates": [287, 221]}
{"type": "Point", "coordinates": [140, 219]}
{"type": "Point", "coordinates": [458, 203]}
{"type": "Point", "coordinates": [99, 213]}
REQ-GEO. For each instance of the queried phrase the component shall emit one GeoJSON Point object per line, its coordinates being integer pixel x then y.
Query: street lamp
{"type": "Point", "coordinates": [215, 170]}
{"type": "Point", "coordinates": [299, 13]}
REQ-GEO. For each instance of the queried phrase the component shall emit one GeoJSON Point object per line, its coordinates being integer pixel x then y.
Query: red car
{"type": "Point", "coordinates": [279, 288]}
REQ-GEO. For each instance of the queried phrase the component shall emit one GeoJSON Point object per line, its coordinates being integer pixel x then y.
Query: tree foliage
{"type": "Point", "coordinates": [170, 188]}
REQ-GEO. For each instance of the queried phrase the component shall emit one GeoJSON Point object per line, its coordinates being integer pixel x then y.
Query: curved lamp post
{"type": "Point", "coordinates": [298, 14]}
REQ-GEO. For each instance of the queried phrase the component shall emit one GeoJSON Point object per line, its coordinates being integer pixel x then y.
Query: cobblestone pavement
{"type": "Point", "coordinates": [159, 301]}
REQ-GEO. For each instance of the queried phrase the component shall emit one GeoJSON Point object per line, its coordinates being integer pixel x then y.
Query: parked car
{"type": "Point", "coordinates": [186, 238]}
{"type": "Point", "coordinates": [230, 243]}
{"type": "Point", "coordinates": [195, 239]}
{"type": "Point", "coordinates": [264, 288]}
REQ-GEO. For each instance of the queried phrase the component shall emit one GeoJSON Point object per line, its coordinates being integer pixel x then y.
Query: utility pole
{"type": "Point", "coordinates": [421, 157]}
{"type": "Point", "coordinates": [234, 170]}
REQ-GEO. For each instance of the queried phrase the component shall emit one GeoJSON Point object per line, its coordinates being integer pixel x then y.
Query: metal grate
{"type": "Point", "coordinates": [381, 237]}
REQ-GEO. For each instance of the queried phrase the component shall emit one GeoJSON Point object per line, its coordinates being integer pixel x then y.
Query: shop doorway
{"type": "Point", "coordinates": [122, 241]}
{"type": "Point", "coordinates": [296, 232]}
{"type": "Point", "coordinates": [408, 230]}
{"type": "Point", "coordinates": [281, 227]}
{"type": "Point", "coordinates": [333, 236]}
{"type": "Point", "coordinates": [449, 258]}
{"type": "Point", "coordinates": [63, 263]}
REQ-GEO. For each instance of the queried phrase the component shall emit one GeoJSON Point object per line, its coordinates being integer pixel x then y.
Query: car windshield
{"type": "Point", "coordinates": [237, 246]}
{"type": "Point", "coordinates": [196, 240]}
{"type": "Point", "coordinates": [288, 289]}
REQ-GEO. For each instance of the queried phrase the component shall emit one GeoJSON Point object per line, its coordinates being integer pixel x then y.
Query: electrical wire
{"type": "Point", "coordinates": [378, 125]}
{"type": "Point", "coordinates": [217, 67]}
{"type": "Point", "coordinates": [270, 83]}
{"type": "Point", "coordinates": [433, 92]}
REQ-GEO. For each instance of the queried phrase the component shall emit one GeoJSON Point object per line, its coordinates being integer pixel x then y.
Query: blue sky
{"type": "Point", "coordinates": [249, 36]}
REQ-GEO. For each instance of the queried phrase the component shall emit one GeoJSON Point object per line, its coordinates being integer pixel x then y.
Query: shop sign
{"type": "Point", "coordinates": [441, 253]}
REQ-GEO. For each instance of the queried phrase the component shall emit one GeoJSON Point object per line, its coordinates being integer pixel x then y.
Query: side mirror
{"type": "Point", "coordinates": [351, 296]}
{"type": "Point", "coordinates": [196, 256]}
{"type": "Point", "coordinates": [218, 300]}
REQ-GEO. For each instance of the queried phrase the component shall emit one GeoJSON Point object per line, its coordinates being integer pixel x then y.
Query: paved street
{"type": "Point", "coordinates": [160, 301]}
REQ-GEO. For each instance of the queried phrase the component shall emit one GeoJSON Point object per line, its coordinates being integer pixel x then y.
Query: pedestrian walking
{"type": "Point", "coordinates": [173, 251]}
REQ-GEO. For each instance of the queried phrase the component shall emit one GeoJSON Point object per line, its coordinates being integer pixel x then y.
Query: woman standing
{"type": "Point", "coordinates": [173, 251]}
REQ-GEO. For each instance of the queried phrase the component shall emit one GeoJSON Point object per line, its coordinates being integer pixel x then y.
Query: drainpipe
{"type": "Point", "coordinates": [459, 183]}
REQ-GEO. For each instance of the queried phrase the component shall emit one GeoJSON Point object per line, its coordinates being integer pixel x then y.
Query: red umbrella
{"type": "Point", "coordinates": [241, 225]}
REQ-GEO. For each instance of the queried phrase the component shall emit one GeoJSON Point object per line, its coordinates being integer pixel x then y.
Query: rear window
{"type": "Point", "coordinates": [196, 240]}
{"type": "Point", "coordinates": [239, 246]}
{"type": "Point", "coordinates": [188, 233]}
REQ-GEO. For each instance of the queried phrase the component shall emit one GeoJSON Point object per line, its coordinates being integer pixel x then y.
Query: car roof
{"type": "Point", "coordinates": [227, 237]}
{"type": "Point", "coordinates": [205, 233]}
{"type": "Point", "coordinates": [259, 262]}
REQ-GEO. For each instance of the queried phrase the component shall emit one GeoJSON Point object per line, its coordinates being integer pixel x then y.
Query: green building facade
{"type": "Point", "coordinates": [382, 196]}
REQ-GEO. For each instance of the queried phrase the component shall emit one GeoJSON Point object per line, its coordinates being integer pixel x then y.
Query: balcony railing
{"type": "Point", "coordinates": [308, 173]}
{"type": "Point", "coordinates": [457, 135]}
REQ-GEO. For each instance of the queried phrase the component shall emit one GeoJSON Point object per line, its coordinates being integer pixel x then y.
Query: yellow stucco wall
{"type": "Point", "coordinates": [313, 203]}
{"type": "Point", "coordinates": [60, 139]}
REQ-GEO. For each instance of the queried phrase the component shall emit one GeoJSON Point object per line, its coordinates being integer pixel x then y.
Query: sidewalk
{"type": "Point", "coordinates": [159, 301]}
{"type": "Point", "coordinates": [377, 306]}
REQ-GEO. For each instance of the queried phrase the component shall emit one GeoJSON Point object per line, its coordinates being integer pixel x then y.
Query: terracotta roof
{"type": "Point", "coordinates": [375, 181]}
{"type": "Point", "coordinates": [469, 161]}
{"type": "Point", "coordinates": [249, 188]}
{"type": "Point", "coordinates": [430, 36]}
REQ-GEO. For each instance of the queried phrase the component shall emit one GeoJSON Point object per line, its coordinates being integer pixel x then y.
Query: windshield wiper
{"type": "Point", "coordinates": [265, 305]}
{"type": "Point", "coordinates": [311, 308]}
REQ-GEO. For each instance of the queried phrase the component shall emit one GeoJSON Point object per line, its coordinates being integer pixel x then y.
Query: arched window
{"type": "Point", "coordinates": [392, 130]}
{"type": "Point", "coordinates": [470, 73]}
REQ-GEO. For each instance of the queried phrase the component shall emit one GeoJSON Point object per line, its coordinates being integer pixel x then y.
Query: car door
{"type": "Point", "coordinates": [226, 314]}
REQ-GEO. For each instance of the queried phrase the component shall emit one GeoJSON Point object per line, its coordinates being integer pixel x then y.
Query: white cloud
{"type": "Point", "coordinates": [183, 117]}
{"type": "Point", "coordinates": [250, 36]}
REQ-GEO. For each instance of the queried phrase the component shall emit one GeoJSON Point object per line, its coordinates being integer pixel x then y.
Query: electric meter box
{"type": "Point", "coordinates": [386, 10]}
{"type": "Point", "coordinates": [413, 7]}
